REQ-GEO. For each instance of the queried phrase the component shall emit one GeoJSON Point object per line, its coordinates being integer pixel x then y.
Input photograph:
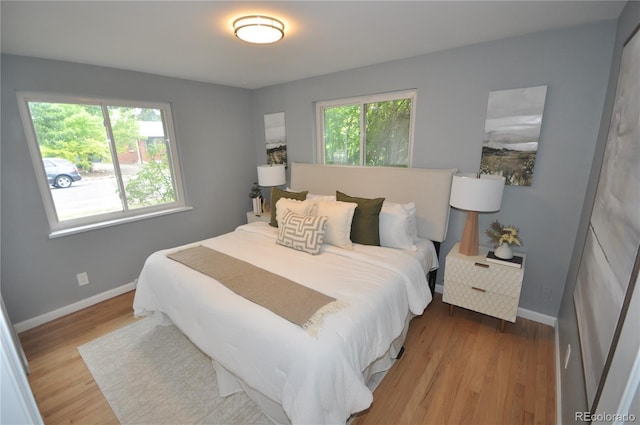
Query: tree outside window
{"type": "Point", "coordinates": [369, 131]}
{"type": "Point", "coordinates": [124, 155]}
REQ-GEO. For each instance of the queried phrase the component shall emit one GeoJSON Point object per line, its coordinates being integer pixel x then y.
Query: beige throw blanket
{"type": "Point", "coordinates": [290, 300]}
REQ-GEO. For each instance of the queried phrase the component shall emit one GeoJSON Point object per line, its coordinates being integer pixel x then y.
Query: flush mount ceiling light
{"type": "Point", "coordinates": [258, 29]}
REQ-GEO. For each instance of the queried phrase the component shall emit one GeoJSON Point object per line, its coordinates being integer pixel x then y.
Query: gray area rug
{"type": "Point", "coordinates": [153, 374]}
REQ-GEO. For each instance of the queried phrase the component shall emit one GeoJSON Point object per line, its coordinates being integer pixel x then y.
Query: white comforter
{"type": "Point", "coordinates": [315, 379]}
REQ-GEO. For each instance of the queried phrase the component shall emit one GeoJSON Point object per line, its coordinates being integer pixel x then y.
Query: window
{"type": "Point", "coordinates": [101, 162]}
{"type": "Point", "coordinates": [370, 131]}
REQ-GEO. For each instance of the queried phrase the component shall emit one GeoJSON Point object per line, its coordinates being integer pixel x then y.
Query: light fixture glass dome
{"type": "Point", "coordinates": [258, 29]}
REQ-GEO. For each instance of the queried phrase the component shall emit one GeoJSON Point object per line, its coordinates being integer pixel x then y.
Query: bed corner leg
{"type": "Point", "coordinates": [400, 353]}
{"type": "Point", "coordinates": [431, 280]}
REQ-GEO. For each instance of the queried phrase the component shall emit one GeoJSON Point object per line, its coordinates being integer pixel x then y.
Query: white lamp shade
{"type": "Point", "coordinates": [482, 194]}
{"type": "Point", "coordinates": [271, 175]}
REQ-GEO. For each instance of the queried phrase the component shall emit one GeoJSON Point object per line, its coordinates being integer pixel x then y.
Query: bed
{"type": "Point", "coordinates": [316, 374]}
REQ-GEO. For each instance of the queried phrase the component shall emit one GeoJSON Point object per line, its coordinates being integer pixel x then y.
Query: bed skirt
{"type": "Point", "coordinates": [228, 383]}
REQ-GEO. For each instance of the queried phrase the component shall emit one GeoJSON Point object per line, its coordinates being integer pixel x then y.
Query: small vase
{"type": "Point", "coordinates": [504, 251]}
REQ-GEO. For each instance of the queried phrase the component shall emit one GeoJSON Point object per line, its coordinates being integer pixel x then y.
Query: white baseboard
{"type": "Point", "coordinates": [72, 308]}
{"type": "Point", "coordinates": [523, 312]}
{"type": "Point", "coordinates": [537, 317]}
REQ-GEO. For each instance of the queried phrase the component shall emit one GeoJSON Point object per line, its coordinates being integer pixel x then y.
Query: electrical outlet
{"type": "Point", "coordinates": [83, 279]}
{"type": "Point", "coordinates": [545, 293]}
{"type": "Point", "coordinates": [567, 356]}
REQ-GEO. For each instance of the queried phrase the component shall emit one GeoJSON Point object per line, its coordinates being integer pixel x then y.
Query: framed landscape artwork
{"type": "Point", "coordinates": [511, 134]}
{"type": "Point", "coordinates": [275, 138]}
{"type": "Point", "coordinates": [609, 266]}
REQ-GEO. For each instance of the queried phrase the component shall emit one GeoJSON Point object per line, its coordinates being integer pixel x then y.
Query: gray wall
{"type": "Point", "coordinates": [219, 153]}
{"type": "Point", "coordinates": [218, 160]}
{"type": "Point", "coordinates": [453, 88]}
{"type": "Point", "coordinates": [572, 378]}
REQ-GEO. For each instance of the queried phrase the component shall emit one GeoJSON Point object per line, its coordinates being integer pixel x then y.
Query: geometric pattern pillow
{"type": "Point", "coordinates": [302, 232]}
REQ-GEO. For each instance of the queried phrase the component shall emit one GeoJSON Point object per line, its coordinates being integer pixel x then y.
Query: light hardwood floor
{"type": "Point", "coordinates": [463, 370]}
{"type": "Point", "coordinates": [63, 386]}
{"type": "Point", "coordinates": [455, 370]}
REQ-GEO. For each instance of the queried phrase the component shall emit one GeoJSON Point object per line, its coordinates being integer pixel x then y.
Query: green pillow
{"type": "Point", "coordinates": [279, 193]}
{"type": "Point", "coordinates": [365, 226]}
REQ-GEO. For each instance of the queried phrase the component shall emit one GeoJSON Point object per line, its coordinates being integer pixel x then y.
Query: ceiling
{"type": "Point", "coordinates": [194, 39]}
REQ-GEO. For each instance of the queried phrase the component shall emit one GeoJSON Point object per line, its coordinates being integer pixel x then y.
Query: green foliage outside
{"type": "Point", "coordinates": [77, 133]}
{"type": "Point", "coordinates": [342, 135]}
{"type": "Point", "coordinates": [73, 132]}
{"type": "Point", "coordinates": [153, 184]}
{"type": "Point", "coordinates": [387, 132]}
{"type": "Point", "coordinates": [124, 125]}
{"type": "Point", "coordinates": [388, 127]}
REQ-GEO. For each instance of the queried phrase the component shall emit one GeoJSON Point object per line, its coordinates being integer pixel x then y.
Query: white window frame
{"type": "Point", "coordinates": [61, 228]}
{"type": "Point", "coordinates": [362, 100]}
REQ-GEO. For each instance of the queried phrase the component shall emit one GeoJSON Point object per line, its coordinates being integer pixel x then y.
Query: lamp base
{"type": "Point", "coordinates": [266, 205]}
{"type": "Point", "coordinates": [469, 242]}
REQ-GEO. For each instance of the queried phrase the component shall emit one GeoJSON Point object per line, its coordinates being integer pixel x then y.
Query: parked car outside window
{"type": "Point", "coordinates": [60, 172]}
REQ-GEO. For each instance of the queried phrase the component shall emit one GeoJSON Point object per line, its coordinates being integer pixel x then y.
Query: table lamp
{"type": "Point", "coordinates": [271, 175]}
{"type": "Point", "coordinates": [474, 195]}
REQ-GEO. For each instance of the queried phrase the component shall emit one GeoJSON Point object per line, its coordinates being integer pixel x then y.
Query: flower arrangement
{"type": "Point", "coordinates": [500, 234]}
{"type": "Point", "coordinates": [255, 191]}
{"type": "Point", "coordinates": [256, 198]}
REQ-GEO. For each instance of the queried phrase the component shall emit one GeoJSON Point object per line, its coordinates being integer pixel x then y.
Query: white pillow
{"type": "Point", "coordinates": [413, 223]}
{"type": "Point", "coordinates": [398, 228]}
{"type": "Point", "coordinates": [297, 207]}
{"type": "Point", "coordinates": [317, 197]}
{"type": "Point", "coordinates": [339, 216]}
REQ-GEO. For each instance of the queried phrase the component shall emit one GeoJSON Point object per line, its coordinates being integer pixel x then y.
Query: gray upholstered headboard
{"type": "Point", "coordinates": [428, 188]}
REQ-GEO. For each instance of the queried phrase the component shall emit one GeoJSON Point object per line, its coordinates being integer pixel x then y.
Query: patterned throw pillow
{"type": "Point", "coordinates": [302, 232]}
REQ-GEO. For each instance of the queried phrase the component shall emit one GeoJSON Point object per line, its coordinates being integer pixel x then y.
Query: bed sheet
{"type": "Point", "coordinates": [315, 379]}
{"type": "Point", "coordinates": [426, 254]}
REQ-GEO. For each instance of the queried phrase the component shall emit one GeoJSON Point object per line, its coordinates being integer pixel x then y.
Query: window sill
{"type": "Point", "coordinates": [85, 228]}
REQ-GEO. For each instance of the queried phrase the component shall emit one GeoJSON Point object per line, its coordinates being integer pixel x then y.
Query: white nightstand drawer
{"type": "Point", "coordinates": [479, 273]}
{"type": "Point", "coordinates": [476, 284]}
{"type": "Point", "coordinates": [481, 300]}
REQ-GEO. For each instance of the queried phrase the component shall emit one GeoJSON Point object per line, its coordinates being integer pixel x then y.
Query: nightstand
{"type": "Point", "coordinates": [251, 217]}
{"type": "Point", "coordinates": [476, 284]}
